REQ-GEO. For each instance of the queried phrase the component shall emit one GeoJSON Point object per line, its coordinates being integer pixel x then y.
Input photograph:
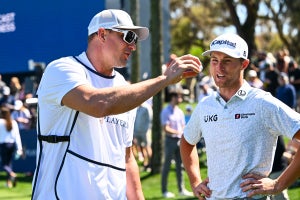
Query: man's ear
{"type": "Point", "coordinates": [102, 34]}
{"type": "Point", "coordinates": [245, 63]}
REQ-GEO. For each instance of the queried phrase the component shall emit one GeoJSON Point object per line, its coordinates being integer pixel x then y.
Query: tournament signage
{"type": "Point", "coordinates": [40, 31]}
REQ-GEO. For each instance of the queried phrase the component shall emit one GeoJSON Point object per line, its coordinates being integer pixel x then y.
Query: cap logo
{"type": "Point", "coordinates": [223, 42]}
{"type": "Point", "coordinates": [241, 92]}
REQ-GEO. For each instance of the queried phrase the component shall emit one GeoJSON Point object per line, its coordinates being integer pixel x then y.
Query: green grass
{"type": "Point", "coordinates": [151, 187]}
{"type": "Point", "coordinates": [21, 192]}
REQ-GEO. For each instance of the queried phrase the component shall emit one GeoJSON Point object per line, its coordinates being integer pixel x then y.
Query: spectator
{"type": "Point", "coordinates": [142, 125]}
{"type": "Point", "coordinates": [15, 88]}
{"type": "Point", "coordinates": [173, 122]}
{"type": "Point", "coordinates": [208, 79]}
{"type": "Point", "coordinates": [22, 92]}
{"type": "Point", "coordinates": [2, 85]}
{"type": "Point", "coordinates": [271, 81]}
{"type": "Point", "coordinates": [7, 99]}
{"type": "Point", "coordinates": [188, 113]}
{"type": "Point", "coordinates": [279, 165]}
{"type": "Point", "coordinates": [253, 80]}
{"type": "Point", "coordinates": [191, 83]}
{"type": "Point", "coordinates": [286, 92]}
{"type": "Point", "coordinates": [260, 65]}
{"type": "Point", "coordinates": [283, 59]}
{"type": "Point", "coordinates": [205, 90]}
{"type": "Point", "coordinates": [177, 87]}
{"type": "Point", "coordinates": [294, 77]}
{"type": "Point", "coordinates": [22, 115]}
{"type": "Point", "coordinates": [291, 150]}
{"type": "Point", "coordinates": [10, 144]}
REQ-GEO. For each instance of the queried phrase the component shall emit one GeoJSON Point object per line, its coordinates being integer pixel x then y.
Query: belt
{"type": "Point", "coordinates": [170, 136]}
{"type": "Point", "coordinates": [54, 138]}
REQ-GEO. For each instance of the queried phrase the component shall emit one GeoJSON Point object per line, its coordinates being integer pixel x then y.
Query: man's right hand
{"type": "Point", "coordinates": [181, 67]}
{"type": "Point", "coordinates": [202, 191]}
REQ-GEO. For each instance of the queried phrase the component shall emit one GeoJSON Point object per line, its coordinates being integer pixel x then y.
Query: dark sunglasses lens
{"type": "Point", "coordinates": [130, 37]}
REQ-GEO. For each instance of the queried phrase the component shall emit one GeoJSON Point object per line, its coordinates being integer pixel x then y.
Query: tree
{"type": "Point", "coordinates": [292, 13]}
{"type": "Point", "coordinates": [135, 68]}
{"type": "Point", "coordinates": [196, 22]}
{"type": "Point", "coordinates": [192, 24]}
{"type": "Point", "coordinates": [155, 24]}
{"type": "Point", "coordinates": [286, 17]}
{"type": "Point", "coordinates": [247, 29]}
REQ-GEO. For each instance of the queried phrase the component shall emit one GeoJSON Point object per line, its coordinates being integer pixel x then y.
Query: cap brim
{"type": "Point", "coordinates": [142, 32]}
{"type": "Point", "coordinates": [208, 53]}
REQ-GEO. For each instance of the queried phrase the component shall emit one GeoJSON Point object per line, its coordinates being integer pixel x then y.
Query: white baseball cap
{"type": "Point", "coordinates": [6, 90]}
{"type": "Point", "coordinates": [230, 44]}
{"type": "Point", "coordinates": [252, 73]}
{"type": "Point", "coordinates": [118, 19]}
{"type": "Point", "coordinates": [18, 105]}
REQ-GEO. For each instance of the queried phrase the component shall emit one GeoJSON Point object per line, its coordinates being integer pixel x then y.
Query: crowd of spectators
{"type": "Point", "coordinates": [266, 71]}
{"type": "Point", "coordinates": [18, 115]}
{"type": "Point", "coordinates": [277, 73]}
{"type": "Point", "coordinates": [20, 100]}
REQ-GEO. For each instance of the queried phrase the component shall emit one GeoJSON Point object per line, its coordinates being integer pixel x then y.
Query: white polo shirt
{"type": "Point", "coordinates": [94, 166]}
{"type": "Point", "coordinates": [240, 136]}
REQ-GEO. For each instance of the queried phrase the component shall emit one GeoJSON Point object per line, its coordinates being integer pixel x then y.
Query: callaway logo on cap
{"type": "Point", "coordinates": [230, 44]}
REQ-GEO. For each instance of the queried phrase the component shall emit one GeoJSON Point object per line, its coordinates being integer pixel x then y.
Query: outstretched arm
{"type": "Point", "coordinates": [116, 100]}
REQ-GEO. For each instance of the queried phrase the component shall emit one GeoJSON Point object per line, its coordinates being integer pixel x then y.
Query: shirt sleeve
{"type": "Point", "coordinates": [279, 118]}
{"type": "Point", "coordinates": [192, 130]}
{"type": "Point", "coordinates": [60, 77]}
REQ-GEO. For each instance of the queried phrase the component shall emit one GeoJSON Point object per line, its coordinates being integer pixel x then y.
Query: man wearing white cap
{"type": "Point", "coordinates": [87, 112]}
{"type": "Point", "coordinates": [240, 125]}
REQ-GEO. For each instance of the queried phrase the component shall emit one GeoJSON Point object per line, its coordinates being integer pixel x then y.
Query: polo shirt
{"type": "Point", "coordinates": [240, 136]}
{"type": "Point", "coordinates": [174, 117]}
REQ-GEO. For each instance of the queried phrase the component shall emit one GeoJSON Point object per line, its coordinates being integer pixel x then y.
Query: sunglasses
{"type": "Point", "coordinates": [128, 36]}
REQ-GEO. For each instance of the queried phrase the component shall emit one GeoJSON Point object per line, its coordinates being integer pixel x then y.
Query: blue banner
{"type": "Point", "coordinates": [40, 31]}
{"type": "Point", "coordinates": [26, 163]}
